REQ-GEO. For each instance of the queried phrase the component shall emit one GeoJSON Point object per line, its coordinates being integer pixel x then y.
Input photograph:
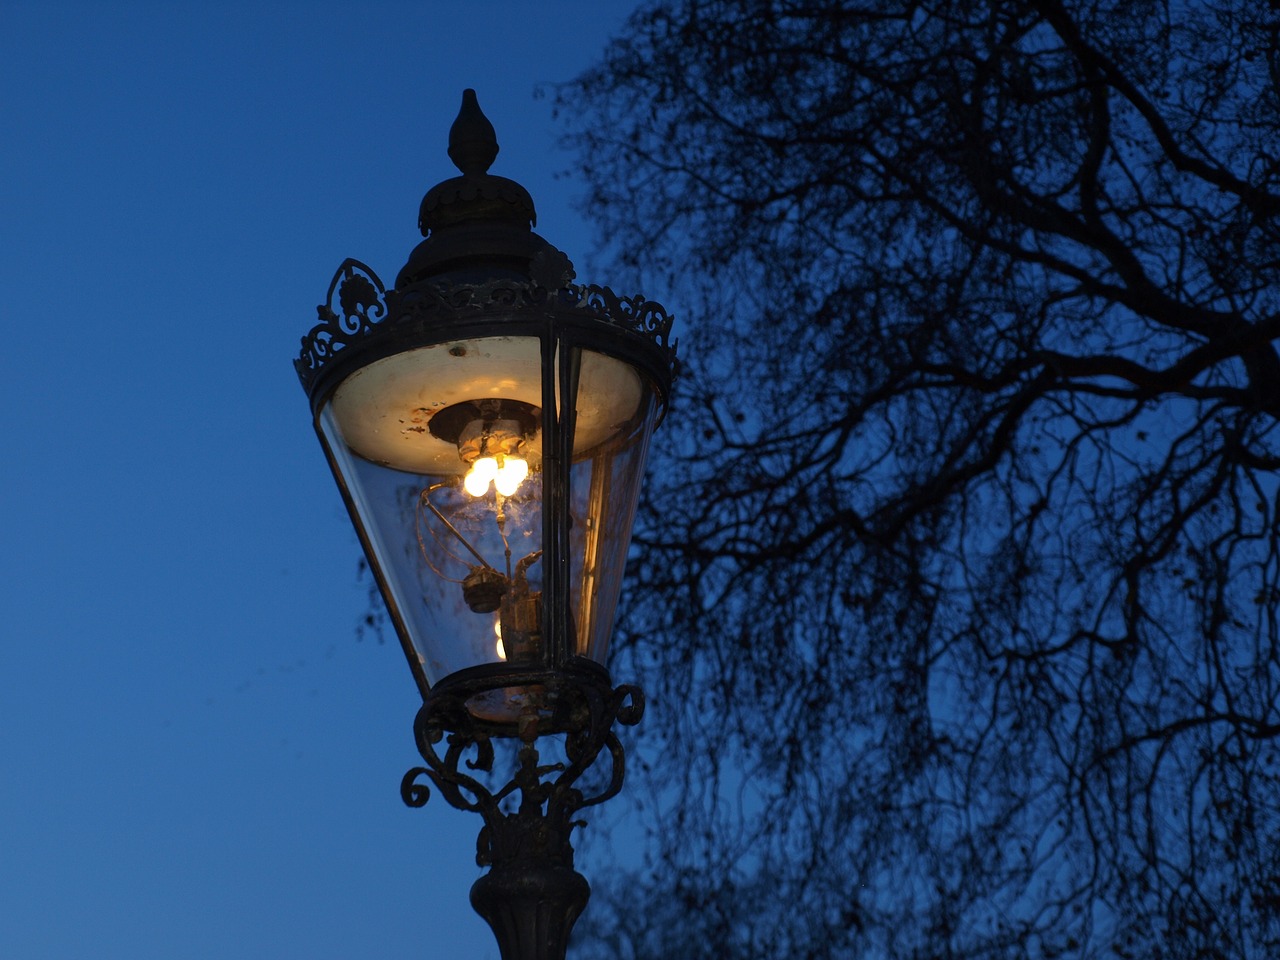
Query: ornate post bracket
{"type": "Point", "coordinates": [531, 896]}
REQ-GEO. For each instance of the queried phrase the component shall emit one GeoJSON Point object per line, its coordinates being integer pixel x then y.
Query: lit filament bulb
{"type": "Point", "coordinates": [510, 475]}
{"type": "Point", "coordinates": [506, 478]}
{"type": "Point", "coordinates": [498, 647]}
{"type": "Point", "coordinates": [482, 471]}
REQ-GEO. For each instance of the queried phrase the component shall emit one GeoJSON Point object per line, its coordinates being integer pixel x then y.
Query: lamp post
{"type": "Point", "coordinates": [487, 421]}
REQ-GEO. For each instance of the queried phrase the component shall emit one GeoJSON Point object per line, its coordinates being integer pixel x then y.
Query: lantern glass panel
{"type": "Point", "coordinates": [605, 489]}
{"type": "Point", "coordinates": [440, 450]}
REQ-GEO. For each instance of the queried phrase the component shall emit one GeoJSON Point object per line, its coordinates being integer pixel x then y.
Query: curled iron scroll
{"type": "Point", "coordinates": [549, 793]}
{"type": "Point", "coordinates": [356, 301]}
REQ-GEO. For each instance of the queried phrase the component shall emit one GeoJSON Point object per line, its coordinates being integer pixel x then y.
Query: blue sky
{"type": "Point", "coordinates": [200, 760]}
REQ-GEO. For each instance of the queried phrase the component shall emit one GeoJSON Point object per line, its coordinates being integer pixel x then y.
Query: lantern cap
{"type": "Point", "coordinates": [477, 195]}
{"type": "Point", "coordinates": [480, 261]}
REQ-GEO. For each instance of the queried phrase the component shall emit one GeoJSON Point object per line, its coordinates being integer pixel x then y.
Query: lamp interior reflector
{"type": "Point", "coordinates": [384, 409]}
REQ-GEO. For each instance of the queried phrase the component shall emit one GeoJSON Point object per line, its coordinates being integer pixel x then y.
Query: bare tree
{"type": "Point", "coordinates": [957, 596]}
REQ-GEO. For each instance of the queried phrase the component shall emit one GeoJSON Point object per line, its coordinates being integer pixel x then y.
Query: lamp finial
{"type": "Point", "coordinates": [473, 144]}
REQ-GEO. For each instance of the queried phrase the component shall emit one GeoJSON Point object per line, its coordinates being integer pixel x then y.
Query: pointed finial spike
{"type": "Point", "coordinates": [473, 144]}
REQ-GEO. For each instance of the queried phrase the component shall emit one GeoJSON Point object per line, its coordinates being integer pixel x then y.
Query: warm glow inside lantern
{"type": "Point", "coordinates": [442, 452]}
{"type": "Point", "coordinates": [488, 422]}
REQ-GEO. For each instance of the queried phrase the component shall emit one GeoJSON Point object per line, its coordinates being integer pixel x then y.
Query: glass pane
{"type": "Point", "coordinates": [442, 454]}
{"type": "Point", "coordinates": [609, 460]}
{"type": "Point", "coordinates": [442, 459]}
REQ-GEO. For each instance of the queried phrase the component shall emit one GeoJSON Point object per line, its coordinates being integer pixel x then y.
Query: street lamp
{"type": "Point", "coordinates": [487, 421]}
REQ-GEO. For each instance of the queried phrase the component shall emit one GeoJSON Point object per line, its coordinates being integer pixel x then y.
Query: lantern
{"type": "Point", "coordinates": [487, 421]}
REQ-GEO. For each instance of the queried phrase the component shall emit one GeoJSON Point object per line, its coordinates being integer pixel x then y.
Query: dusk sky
{"type": "Point", "coordinates": [200, 758]}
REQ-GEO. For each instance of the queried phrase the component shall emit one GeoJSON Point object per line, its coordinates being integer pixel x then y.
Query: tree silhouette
{"type": "Point", "coordinates": [956, 587]}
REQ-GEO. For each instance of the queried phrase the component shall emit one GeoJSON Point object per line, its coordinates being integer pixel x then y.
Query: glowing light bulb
{"type": "Point", "coordinates": [477, 480]}
{"type": "Point", "coordinates": [510, 475]}
{"type": "Point", "coordinates": [498, 647]}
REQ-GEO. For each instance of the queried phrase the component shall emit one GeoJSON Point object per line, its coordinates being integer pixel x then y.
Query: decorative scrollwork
{"type": "Point", "coordinates": [430, 302]}
{"type": "Point", "coordinates": [360, 300]}
{"type": "Point", "coordinates": [645, 318]}
{"type": "Point", "coordinates": [412, 792]}
{"type": "Point", "coordinates": [549, 795]}
{"type": "Point", "coordinates": [358, 306]}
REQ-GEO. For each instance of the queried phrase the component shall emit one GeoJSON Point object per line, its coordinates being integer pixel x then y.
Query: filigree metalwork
{"type": "Point", "coordinates": [356, 301]}
{"type": "Point", "coordinates": [444, 717]}
{"type": "Point", "coordinates": [431, 303]}
{"type": "Point", "coordinates": [358, 306]}
{"type": "Point", "coordinates": [646, 318]}
{"type": "Point", "coordinates": [531, 895]}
